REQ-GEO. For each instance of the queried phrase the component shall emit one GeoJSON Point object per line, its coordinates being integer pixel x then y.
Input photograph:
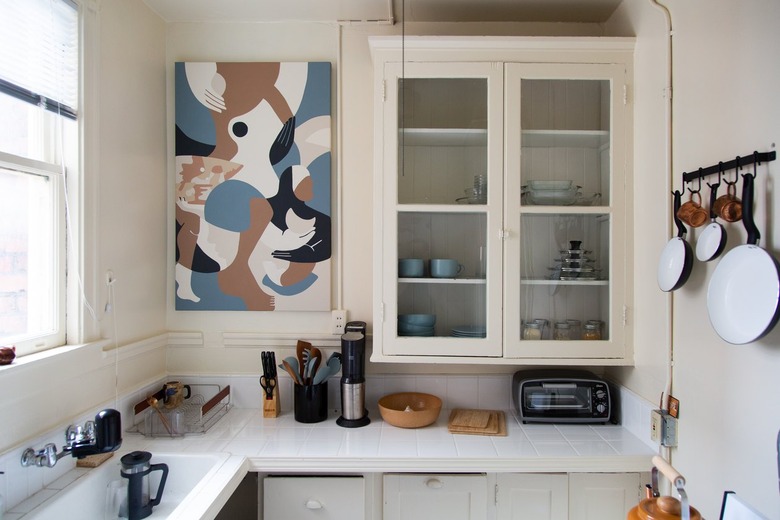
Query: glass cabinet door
{"type": "Point", "coordinates": [564, 180]}
{"type": "Point", "coordinates": [442, 197]}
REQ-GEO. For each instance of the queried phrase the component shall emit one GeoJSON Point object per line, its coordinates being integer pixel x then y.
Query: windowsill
{"type": "Point", "coordinates": [49, 356]}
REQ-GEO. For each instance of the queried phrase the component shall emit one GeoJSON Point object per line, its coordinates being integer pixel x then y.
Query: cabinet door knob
{"type": "Point", "coordinates": [434, 483]}
{"type": "Point", "coordinates": [313, 504]}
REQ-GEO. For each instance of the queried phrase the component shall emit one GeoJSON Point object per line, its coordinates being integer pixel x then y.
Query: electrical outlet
{"type": "Point", "coordinates": [338, 320]}
{"type": "Point", "coordinates": [656, 425]}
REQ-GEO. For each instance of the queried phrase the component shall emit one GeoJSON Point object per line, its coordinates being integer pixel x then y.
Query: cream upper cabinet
{"type": "Point", "coordinates": [502, 171]}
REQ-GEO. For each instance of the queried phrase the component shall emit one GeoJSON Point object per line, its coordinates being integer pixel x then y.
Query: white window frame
{"type": "Point", "coordinates": [78, 286]}
{"type": "Point", "coordinates": [27, 344]}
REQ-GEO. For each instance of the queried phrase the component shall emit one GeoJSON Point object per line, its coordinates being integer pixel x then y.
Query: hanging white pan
{"type": "Point", "coordinates": [712, 240]}
{"type": "Point", "coordinates": [676, 261]}
{"type": "Point", "coordinates": [744, 291]}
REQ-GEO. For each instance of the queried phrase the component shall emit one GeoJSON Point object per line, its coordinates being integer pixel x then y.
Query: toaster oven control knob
{"type": "Point", "coordinates": [601, 408]}
{"type": "Point", "coordinates": [600, 394]}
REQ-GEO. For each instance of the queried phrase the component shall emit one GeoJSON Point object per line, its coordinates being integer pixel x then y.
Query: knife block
{"type": "Point", "coordinates": [271, 406]}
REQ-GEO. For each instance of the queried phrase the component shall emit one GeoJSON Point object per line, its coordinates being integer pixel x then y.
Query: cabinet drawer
{"type": "Point", "coordinates": [427, 497]}
{"type": "Point", "coordinates": [323, 498]}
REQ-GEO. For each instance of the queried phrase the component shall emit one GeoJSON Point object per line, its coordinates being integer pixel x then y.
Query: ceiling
{"type": "Point", "coordinates": [592, 11]}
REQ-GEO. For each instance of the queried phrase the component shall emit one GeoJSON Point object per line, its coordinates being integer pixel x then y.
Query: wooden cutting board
{"type": "Point", "coordinates": [470, 418]}
{"type": "Point", "coordinates": [477, 422]}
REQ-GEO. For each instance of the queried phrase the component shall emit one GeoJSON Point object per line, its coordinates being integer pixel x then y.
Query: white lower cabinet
{"type": "Point", "coordinates": [603, 496]}
{"type": "Point", "coordinates": [531, 496]}
{"type": "Point", "coordinates": [321, 498]}
{"type": "Point", "coordinates": [575, 496]}
{"type": "Point", "coordinates": [431, 497]}
{"type": "Point", "coordinates": [415, 496]}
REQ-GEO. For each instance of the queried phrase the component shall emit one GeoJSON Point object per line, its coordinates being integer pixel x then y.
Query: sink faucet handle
{"type": "Point", "coordinates": [72, 434]}
{"type": "Point", "coordinates": [89, 433]}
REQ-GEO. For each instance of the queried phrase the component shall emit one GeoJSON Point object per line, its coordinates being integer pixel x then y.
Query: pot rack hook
{"type": "Point", "coordinates": [699, 188]}
{"type": "Point", "coordinates": [736, 172]}
{"type": "Point", "coordinates": [755, 162]}
{"type": "Point", "coordinates": [720, 174]}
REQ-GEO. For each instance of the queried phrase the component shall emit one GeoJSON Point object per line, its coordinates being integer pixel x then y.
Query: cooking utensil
{"type": "Point", "coordinates": [676, 261]}
{"type": "Point", "coordinates": [331, 368]}
{"type": "Point", "coordinates": [691, 212]}
{"type": "Point", "coordinates": [729, 207]}
{"type": "Point", "coordinates": [744, 291]}
{"type": "Point", "coordinates": [665, 508]}
{"type": "Point", "coordinates": [712, 241]}
{"type": "Point", "coordinates": [315, 358]}
{"type": "Point", "coordinates": [154, 403]}
{"type": "Point", "coordinates": [290, 365]}
{"type": "Point", "coordinates": [300, 349]}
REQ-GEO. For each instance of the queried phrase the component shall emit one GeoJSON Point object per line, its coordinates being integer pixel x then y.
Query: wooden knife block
{"type": "Point", "coordinates": [271, 406]}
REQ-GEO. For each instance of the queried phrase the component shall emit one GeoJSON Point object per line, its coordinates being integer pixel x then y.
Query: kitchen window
{"type": "Point", "coordinates": [39, 145]}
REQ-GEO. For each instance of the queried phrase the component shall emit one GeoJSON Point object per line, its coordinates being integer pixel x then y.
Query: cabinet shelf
{"type": "Point", "coordinates": [565, 138]}
{"type": "Point", "coordinates": [464, 281]}
{"type": "Point", "coordinates": [536, 281]}
{"type": "Point", "coordinates": [443, 136]}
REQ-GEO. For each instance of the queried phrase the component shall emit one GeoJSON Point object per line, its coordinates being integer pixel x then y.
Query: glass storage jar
{"type": "Point", "coordinates": [562, 331]}
{"type": "Point", "coordinates": [591, 331]}
{"type": "Point", "coordinates": [532, 330]}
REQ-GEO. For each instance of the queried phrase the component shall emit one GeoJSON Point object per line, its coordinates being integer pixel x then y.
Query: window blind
{"type": "Point", "coordinates": [39, 53]}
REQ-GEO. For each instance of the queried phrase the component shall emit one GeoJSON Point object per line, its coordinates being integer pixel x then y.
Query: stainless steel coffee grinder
{"type": "Point", "coordinates": [353, 378]}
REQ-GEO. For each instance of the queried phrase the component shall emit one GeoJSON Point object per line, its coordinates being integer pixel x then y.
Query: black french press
{"type": "Point", "coordinates": [136, 468]}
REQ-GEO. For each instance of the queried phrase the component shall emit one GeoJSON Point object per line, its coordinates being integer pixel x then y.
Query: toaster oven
{"type": "Point", "coordinates": [561, 396]}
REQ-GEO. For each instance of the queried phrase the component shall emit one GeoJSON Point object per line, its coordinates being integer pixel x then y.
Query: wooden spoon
{"type": "Point", "coordinates": [154, 403]}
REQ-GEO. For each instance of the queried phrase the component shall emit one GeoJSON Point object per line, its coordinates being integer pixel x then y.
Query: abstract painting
{"type": "Point", "coordinates": [253, 173]}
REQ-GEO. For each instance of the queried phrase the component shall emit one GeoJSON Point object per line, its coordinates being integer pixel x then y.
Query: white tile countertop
{"type": "Point", "coordinates": [282, 444]}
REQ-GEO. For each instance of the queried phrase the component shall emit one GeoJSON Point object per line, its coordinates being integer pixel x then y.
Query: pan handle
{"type": "Point", "coordinates": [681, 229]}
{"type": "Point", "coordinates": [753, 235]}
{"type": "Point", "coordinates": [713, 197]}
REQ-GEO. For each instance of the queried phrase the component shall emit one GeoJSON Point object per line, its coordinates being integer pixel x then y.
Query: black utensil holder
{"type": "Point", "coordinates": [310, 402]}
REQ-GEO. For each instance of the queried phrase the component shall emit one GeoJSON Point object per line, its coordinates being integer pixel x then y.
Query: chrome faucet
{"type": "Point", "coordinates": [102, 435]}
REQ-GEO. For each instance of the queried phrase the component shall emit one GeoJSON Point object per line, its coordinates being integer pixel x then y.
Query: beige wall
{"type": "Point", "coordinates": [353, 272]}
{"type": "Point", "coordinates": [125, 161]}
{"type": "Point", "coordinates": [726, 103]}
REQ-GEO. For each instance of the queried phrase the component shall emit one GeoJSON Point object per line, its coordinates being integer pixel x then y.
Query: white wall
{"type": "Point", "coordinates": [127, 124]}
{"type": "Point", "coordinates": [726, 103]}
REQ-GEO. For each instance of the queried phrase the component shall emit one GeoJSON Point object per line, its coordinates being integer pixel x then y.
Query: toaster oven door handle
{"type": "Point", "coordinates": [559, 385]}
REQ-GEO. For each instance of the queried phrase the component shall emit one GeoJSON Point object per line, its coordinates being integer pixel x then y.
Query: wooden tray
{"type": "Point", "coordinates": [477, 422]}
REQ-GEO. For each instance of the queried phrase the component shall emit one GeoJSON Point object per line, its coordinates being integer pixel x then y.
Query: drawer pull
{"type": "Point", "coordinates": [313, 504]}
{"type": "Point", "coordinates": [433, 483]}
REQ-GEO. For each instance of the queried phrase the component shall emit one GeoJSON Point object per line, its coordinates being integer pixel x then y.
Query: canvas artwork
{"type": "Point", "coordinates": [253, 154]}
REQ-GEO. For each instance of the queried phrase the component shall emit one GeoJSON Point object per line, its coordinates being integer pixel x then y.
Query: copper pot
{"type": "Point", "coordinates": [664, 508]}
{"type": "Point", "coordinates": [661, 508]}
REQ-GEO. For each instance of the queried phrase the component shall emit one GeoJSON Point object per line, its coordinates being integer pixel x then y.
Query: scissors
{"type": "Point", "coordinates": [268, 379]}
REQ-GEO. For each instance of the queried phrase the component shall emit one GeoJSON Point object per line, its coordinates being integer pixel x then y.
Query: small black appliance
{"type": "Point", "coordinates": [136, 468]}
{"type": "Point", "coordinates": [353, 379]}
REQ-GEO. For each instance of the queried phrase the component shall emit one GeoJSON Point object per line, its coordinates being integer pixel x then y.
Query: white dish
{"type": "Point", "coordinates": [550, 185]}
{"type": "Point", "coordinates": [554, 197]}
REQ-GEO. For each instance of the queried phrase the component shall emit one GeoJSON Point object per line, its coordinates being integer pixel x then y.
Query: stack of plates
{"type": "Point", "coordinates": [469, 331]}
{"type": "Point", "coordinates": [416, 324]}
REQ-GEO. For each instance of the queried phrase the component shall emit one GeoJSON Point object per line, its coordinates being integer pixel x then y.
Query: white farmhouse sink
{"type": "Point", "coordinates": [198, 485]}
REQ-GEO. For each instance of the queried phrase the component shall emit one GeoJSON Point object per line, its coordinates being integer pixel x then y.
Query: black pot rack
{"type": "Point", "coordinates": [739, 162]}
